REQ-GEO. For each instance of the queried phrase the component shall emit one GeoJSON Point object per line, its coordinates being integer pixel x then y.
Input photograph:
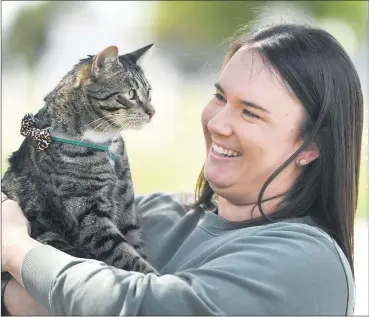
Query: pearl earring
{"type": "Point", "coordinates": [303, 162]}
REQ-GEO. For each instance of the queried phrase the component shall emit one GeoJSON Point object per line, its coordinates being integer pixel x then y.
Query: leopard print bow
{"type": "Point", "coordinates": [28, 129]}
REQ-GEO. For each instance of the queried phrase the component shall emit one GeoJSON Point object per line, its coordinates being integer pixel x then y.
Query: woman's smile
{"type": "Point", "coordinates": [224, 152]}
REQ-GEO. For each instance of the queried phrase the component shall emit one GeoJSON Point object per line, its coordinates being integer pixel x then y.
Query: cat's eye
{"type": "Point", "coordinates": [120, 100]}
{"type": "Point", "coordinates": [149, 93]}
{"type": "Point", "coordinates": [132, 94]}
{"type": "Point", "coordinates": [111, 109]}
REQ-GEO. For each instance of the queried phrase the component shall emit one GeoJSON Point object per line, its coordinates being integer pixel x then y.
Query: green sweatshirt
{"type": "Point", "coordinates": [208, 266]}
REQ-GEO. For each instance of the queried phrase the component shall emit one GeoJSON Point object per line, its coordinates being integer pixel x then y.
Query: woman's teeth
{"type": "Point", "coordinates": [225, 152]}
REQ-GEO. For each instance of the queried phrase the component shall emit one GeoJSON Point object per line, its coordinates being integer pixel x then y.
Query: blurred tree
{"type": "Point", "coordinates": [193, 31]}
{"type": "Point", "coordinates": [201, 22]}
{"type": "Point", "coordinates": [209, 22]}
{"type": "Point", "coordinates": [354, 13]}
{"type": "Point", "coordinates": [26, 39]}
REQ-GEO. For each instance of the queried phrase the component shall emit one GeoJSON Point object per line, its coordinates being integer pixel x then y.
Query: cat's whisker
{"type": "Point", "coordinates": [133, 122]}
{"type": "Point", "coordinates": [112, 117]}
{"type": "Point", "coordinates": [118, 132]}
{"type": "Point", "coordinates": [93, 130]}
{"type": "Point", "coordinates": [107, 127]}
{"type": "Point", "coordinates": [128, 122]}
{"type": "Point", "coordinates": [102, 118]}
{"type": "Point", "coordinates": [123, 127]}
{"type": "Point", "coordinates": [130, 116]}
{"type": "Point", "coordinates": [105, 117]}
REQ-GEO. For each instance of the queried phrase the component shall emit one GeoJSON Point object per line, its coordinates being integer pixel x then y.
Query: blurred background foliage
{"type": "Point", "coordinates": [192, 25]}
{"type": "Point", "coordinates": [194, 30]}
{"type": "Point", "coordinates": [26, 40]}
{"type": "Point", "coordinates": [207, 22]}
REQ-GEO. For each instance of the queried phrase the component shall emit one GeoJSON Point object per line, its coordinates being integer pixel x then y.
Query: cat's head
{"type": "Point", "coordinates": [117, 88]}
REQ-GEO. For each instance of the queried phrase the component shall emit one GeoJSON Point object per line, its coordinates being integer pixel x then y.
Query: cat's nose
{"type": "Point", "coordinates": [151, 113]}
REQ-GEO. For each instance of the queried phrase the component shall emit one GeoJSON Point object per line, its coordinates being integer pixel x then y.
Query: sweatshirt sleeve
{"type": "Point", "coordinates": [275, 274]}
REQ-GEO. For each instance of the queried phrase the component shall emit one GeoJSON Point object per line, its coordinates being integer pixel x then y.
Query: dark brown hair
{"type": "Point", "coordinates": [318, 71]}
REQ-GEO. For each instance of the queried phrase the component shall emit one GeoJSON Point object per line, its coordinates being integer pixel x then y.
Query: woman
{"type": "Point", "coordinates": [272, 230]}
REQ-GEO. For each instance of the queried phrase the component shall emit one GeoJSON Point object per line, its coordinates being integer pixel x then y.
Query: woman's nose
{"type": "Point", "coordinates": [221, 123]}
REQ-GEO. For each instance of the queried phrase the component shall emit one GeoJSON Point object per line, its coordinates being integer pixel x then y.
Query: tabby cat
{"type": "Point", "coordinates": [75, 186]}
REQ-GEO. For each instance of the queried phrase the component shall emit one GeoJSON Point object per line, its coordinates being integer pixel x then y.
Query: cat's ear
{"type": "Point", "coordinates": [136, 55]}
{"type": "Point", "coordinates": [110, 54]}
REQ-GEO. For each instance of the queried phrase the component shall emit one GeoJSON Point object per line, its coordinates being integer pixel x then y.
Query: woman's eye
{"type": "Point", "coordinates": [219, 97]}
{"type": "Point", "coordinates": [132, 94]}
{"type": "Point", "coordinates": [250, 114]}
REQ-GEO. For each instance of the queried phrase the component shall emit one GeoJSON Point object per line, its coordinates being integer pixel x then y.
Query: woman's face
{"type": "Point", "coordinates": [251, 127]}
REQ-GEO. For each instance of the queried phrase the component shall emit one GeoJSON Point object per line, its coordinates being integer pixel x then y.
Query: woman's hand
{"type": "Point", "coordinates": [15, 242]}
{"type": "Point", "coordinates": [19, 303]}
{"type": "Point", "coordinates": [14, 228]}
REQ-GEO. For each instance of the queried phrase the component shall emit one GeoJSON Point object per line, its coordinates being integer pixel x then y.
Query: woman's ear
{"type": "Point", "coordinates": [308, 155]}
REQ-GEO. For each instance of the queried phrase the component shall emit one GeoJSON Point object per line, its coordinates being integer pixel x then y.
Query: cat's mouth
{"type": "Point", "coordinates": [140, 125]}
{"type": "Point", "coordinates": [131, 124]}
{"type": "Point", "coordinates": [113, 128]}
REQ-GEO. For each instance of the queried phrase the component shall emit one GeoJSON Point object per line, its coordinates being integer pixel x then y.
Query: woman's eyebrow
{"type": "Point", "coordinates": [245, 102]}
{"type": "Point", "coordinates": [217, 86]}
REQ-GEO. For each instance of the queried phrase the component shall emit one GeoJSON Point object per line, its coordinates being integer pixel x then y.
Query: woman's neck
{"type": "Point", "coordinates": [235, 213]}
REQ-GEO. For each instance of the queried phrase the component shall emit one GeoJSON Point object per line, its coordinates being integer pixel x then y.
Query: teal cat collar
{"type": "Point", "coordinates": [44, 137]}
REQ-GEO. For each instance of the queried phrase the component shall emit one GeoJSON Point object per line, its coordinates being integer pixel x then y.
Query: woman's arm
{"type": "Point", "coordinates": [18, 303]}
{"type": "Point", "coordinates": [280, 273]}
{"type": "Point", "coordinates": [66, 285]}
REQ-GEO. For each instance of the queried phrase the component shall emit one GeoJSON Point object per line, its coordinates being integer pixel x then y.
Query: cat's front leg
{"type": "Point", "coordinates": [57, 241]}
{"type": "Point", "coordinates": [106, 243]}
{"type": "Point", "coordinates": [131, 230]}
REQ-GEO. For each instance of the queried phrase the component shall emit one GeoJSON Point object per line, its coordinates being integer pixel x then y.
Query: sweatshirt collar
{"type": "Point", "coordinates": [217, 224]}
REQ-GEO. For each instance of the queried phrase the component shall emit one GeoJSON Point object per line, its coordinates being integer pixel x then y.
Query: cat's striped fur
{"type": "Point", "coordinates": [78, 199]}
